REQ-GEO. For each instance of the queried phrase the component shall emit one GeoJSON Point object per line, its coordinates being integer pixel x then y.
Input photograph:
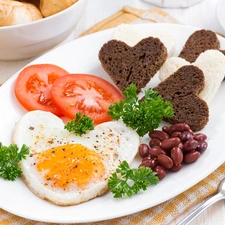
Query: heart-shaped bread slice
{"type": "Point", "coordinates": [182, 89]}
{"type": "Point", "coordinates": [137, 64]}
{"type": "Point", "coordinates": [198, 42]}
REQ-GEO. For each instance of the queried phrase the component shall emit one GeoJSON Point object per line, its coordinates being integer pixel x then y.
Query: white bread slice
{"type": "Point", "coordinates": [131, 36]}
{"type": "Point", "coordinates": [127, 34]}
{"type": "Point", "coordinates": [170, 66]}
{"type": "Point", "coordinates": [212, 63]}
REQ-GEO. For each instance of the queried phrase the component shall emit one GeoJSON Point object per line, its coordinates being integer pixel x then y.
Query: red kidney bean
{"type": "Point", "coordinates": [155, 151]}
{"type": "Point", "coordinates": [176, 155]}
{"type": "Point", "coordinates": [166, 129]}
{"type": "Point", "coordinates": [154, 142]}
{"type": "Point", "coordinates": [180, 145]}
{"type": "Point", "coordinates": [147, 157]}
{"type": "Point", "coordinates": [175, 168]}
{"type": "Point", "coordinates": [185, 136]}
{"type": "Point", "coordinates": [169, 143]}
{"type": "Point", "coordinates": [200, 137]}
{"type": "Point", "coordinates": [143, 150]}
{"type": "Point", "coordinates": [151, 163]}
{"type": "Point", "coordinates": [158, 134]}
{"type": "Point", "coordinates": [179, 127]}
{"type": "Point", "coordinates": [190, 145]}
{"type": "Point", "coordinates": [165, 161]}
{"type": "Point", "coordinates": [191, 157]}
{"type": "Point", "coordinates": [160, 171]}
{"type": "Point", "coordinates": [202, 146]}
{"type": "Point", "coordinates": [176, 134]}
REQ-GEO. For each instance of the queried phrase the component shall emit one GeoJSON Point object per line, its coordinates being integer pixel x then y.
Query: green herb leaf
{"type": "Point", "coordinates": [142, 116]}
{"type": "Point", "coordinates": [9, 158]}
{"type": "Point", "coordinates": [80, 125]}
{"type": "Point", "coordinates": [128, 181]}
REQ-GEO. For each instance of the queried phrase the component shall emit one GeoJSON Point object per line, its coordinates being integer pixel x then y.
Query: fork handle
{"type": "Point", "coordinates": [201, 208]}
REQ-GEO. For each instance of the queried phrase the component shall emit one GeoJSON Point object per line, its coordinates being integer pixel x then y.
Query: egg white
{"type": "Point", "coordinates": [40, 131]}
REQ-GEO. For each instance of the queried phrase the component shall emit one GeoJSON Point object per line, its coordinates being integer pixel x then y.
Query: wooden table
{"type": "Point", "coordinates": [202, 15]}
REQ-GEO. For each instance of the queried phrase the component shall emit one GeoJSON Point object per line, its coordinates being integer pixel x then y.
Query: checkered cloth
{"type": "Point", "coordinates": [165, 212]}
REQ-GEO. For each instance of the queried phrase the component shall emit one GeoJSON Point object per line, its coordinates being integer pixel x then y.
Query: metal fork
{"type": "Point", "coordinates": [219, 196]}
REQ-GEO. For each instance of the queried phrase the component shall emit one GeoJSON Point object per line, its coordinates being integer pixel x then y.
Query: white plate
{"type": "Point", "coordinates": [81, 56]}
{"type": "Point", "coordinates": [220, 11]}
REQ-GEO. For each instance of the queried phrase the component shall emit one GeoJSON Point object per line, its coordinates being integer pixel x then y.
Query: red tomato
{"type": "Point", "coordinates": [33, 85]}
{"type": "Point", "coordinates": [85, 93]}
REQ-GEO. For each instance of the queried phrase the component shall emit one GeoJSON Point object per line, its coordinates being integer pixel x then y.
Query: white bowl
{"type": "Point", "coordinates": [24, 41]}
{"type": "Point", "coordinates": [173, 3]}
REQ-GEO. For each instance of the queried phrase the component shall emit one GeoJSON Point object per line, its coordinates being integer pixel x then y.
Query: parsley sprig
{"type": "Point", "coordinates": [128, 181]}
{"type": "Point", "coordinates": [143, 116]}
{"type": "Point", "coordinates": [10, 156]}
{"type": "Point", "coordinates": [80, 125]}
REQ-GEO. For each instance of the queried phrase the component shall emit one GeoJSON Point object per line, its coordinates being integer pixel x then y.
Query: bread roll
{"type": "Point", "coordinates": [14, 12]}
{"type": "Point", "coordinates": [51, 7]}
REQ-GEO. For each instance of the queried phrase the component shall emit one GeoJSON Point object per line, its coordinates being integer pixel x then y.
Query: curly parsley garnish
{"type": "Point", "coordinates": [10, 156]}
{"type": "Point", "coordinates": [127, 182]}
{"type": "Point", "coordinates": [143, 116]}
{"type": "Point", "coordinates": [80, 125]}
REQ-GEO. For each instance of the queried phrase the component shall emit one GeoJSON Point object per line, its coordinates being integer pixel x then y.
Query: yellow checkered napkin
{"type": "Point", "coordinates": [167, 211]}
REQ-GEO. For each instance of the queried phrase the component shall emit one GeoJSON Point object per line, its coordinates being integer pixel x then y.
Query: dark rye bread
{"type": "Point", "coordinates": [137, 64]}
{"type": "Point", "coordinates": [182, 89]}
{"type": "Point", "coordinates": [199, 42]}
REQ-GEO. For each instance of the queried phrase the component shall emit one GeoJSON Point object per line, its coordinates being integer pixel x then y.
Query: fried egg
{"type": "Point", "coordinates": [66, 169]}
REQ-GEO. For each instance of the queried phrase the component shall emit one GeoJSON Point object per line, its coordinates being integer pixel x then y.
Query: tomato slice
{"type": "Point", "coordinates": [33, 85]}
{"type": "Point", "coordinates": [85, 93]}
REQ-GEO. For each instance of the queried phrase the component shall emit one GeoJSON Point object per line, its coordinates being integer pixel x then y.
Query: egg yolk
{"type": "Point", "coordinates": [71, 163]}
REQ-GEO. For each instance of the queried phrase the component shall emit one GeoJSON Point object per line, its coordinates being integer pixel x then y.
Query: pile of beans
{"type": "Point", "coordinates": [171, 147]}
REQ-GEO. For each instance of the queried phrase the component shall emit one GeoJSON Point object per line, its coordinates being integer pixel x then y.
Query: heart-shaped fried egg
{"type": "Point", "coordinates": [66, 169]}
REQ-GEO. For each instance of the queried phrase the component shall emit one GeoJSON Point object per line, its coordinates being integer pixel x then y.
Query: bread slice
{"type": "Point", "coordinates": [137, 64]}
{"type": "Point", "coordinates": [129, 34]}
{"type": "Point", "coordinates": [171, 65]}
{"type": "Point", "coordinates": [212, 63]}
{"type": "Point", "coordinates": [182, 89]}
{"type": "Point", "coordinates": [199, 42]}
